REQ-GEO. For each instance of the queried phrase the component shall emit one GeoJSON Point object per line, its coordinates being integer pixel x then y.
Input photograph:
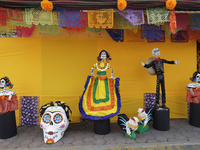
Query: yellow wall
{"type": "Point", "coordinates": [57, 68]}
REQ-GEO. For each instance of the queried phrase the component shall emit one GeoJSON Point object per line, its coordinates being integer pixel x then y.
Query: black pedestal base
{"type": "Point", "coordinates": [8, 127]}
{"type": "Point", "coordinates": [161, 119]}
{"type": "Point", "coordinates": [102, 126]}
{"type": "Point", "coordinates": [194, 118]}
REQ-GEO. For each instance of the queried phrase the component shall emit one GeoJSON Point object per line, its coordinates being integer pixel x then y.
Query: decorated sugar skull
{"type": "Point", "coordinates": [5, 82]}
{"type": "Point", "coordinates": [54, 121]}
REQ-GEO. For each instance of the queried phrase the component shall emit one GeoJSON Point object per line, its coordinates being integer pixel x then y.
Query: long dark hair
{"type": "Point", "coordinates": [57, 103]}
{"type": "Point", "coordinates": [107, 54]}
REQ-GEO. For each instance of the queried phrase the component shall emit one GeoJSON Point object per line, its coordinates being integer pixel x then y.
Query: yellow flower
{"type": "Point", "coordinates": [171, 4]}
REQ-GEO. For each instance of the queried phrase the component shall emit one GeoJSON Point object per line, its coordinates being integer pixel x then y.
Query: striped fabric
{"type": "Point", "coordinates": [101, 4]}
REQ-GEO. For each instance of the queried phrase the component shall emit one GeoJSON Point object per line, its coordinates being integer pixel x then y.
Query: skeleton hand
{"type": "Point", "coordinates": [92, 72]}
{"type": "Point", "coordinates": [142, 63]}
{"type": "Point", "coordinates": [176, 62]}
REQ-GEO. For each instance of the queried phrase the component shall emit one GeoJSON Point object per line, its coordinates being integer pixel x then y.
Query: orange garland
{"type": "Point", "coordinates": [121, 4]}
{"type": "Point", "coordinates": [172, 24]}
{"type": "Point", "coordinates": [90, 107]}
{"type": "Point", "coordinates": [47, 5]}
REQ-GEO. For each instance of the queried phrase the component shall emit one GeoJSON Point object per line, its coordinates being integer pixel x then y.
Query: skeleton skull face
{"type": "Point", "coordinates": [103, 55]}
{"type": "Point", "coordinates": [198, 78]}
{"type": "Point", "coordinates": [54, 122]}
{"type": "Point", "coordinates": [156, 52]}
{"type": "Point", "coordinates": [2, 83]}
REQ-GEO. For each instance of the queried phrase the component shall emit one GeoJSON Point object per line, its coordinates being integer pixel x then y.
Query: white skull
{"type": "Point", "coordinates": [2, 83]}
{"type": "Point", "coordinates": [156, 52]}
{"type": "Point", "coordinates": [54, 122]}
{"type": "Point", "coordinates": [103, 55]}
{"type": "Point", "coordinates": [198, 78]}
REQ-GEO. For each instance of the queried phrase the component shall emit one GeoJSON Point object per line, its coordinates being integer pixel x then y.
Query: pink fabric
{"type": "Point", "coordinates": [8, 105]}
{"type": "Point", "coordinates": [191, 99]}
{"type": "Point", "coordinates": [193, 34]}
{"type": "Point", "coordinates": [182, 20]}
{"type": "Point", "coordinates": [25, 31]}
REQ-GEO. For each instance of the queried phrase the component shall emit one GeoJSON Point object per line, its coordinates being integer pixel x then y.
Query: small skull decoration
{"type": "Point", "coordinates": [54, 121]}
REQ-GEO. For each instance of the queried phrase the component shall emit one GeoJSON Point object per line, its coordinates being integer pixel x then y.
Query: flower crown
{"type": "Point", "coordinates": [8, 82]}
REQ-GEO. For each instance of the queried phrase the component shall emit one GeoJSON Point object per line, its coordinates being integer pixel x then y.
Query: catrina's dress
{"type": "Point", "coordinates": [101, 98]}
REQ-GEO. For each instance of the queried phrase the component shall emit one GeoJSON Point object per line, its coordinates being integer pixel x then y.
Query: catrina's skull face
{"type": "Point", "coordinates": [198, 78]}
{"type": "Point", "coordinates": [54, 122]}
{"type": "Point", "coordinates": [2, 83]}
{"type": "Point", "coordinates": [103, 55]}
{"type": "Point", "coordinates": [156, 52]}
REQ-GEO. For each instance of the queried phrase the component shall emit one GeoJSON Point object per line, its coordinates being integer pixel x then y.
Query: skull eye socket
{"type": "Point", "coordinates": [58, 118]}
{"type": "Point", "coordinates": [46, 118]}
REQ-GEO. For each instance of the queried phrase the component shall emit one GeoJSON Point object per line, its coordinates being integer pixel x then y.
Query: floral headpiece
{"type": "Point", "coordinates": [8, 82]}
{"type": "Point", "coordinates": [193, 78]}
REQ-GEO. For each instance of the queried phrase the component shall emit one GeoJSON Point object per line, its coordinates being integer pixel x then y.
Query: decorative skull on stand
{"type": "Point", "coordinates": [5, 82]}
{"type": "Point", "coordinates": [54, 121]}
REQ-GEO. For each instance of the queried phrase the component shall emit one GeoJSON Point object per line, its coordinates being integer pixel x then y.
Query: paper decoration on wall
{"type": "Point", "coordinates": [134, 16]}
{"type": "Point", "coordinates": [29, 111]}
{"type": "Point", "coordinates": [25, 31]}
{"type": "Point", "coordinates": [95, 29]}
{"type": "Point", "coordinates": [152, 32]}
{"type": "Point", "coordinates": [195, 23]}
{"type": "Point", "coordinates": [49, 29]}
{"type": "Point", "coordinates": [38, 16]}
{"type": "Point", "coordinates": [157, 15]}
{"type": "Point", "coordinates": [162, 39]}
{"type": "Point", "coordinates": [116, 34]}
{"type": "Point", "coordinates": [182, 20]}
{"type": "Point", "coordinates": [123, 23]}
{"type": "Point", "coordinates": [20, 23]}
{"type": "Point", "coordinates": [3, 16]}
{"type": "Point", "coordinates": [179, 37]}
{"type": "Point", "coordinates": [150, 99]}
{"type": "Point", "coordinates": [15, 14]}
{"type": "Point", "coordinates": [133, 37]}
{"type": "Point", "coordinates": [72, 30]}
{"type": "Point", "coordinates": [172, 23]}
{"type": "Point", "coordinates": [193, 34]}
{"type": "Point", "coordinates": [71, 18]}
{"type": "Point", "coordinates": [100, 18]}
{"type": "Point", "coordinates": [168, 31]}
{"type": "Point", "coordinates": [8, 29]}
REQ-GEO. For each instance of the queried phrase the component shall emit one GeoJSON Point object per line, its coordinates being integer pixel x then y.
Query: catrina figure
{"type": "Point", "coordinates": [101, 99]}
{"type": "Point", "coordinates": [54, 121]}
{"type": "Point", "coordinates": [193, 89]}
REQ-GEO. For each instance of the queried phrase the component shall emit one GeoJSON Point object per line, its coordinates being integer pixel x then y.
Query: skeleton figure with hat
{"type": "Point", "coordinates": [157, 66]}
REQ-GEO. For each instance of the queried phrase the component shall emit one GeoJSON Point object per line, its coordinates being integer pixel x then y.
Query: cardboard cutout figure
{"type": "Point", "coordinates": [128, 125]}
{"type": "Point", "coordinates": [54, 121]}
{"type": "Point", "coordinates": [101, 99]}
{"type": "Point", "coordinates": [158, 65]}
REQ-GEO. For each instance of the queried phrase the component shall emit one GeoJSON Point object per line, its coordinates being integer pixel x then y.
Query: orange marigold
{"type": "Point", "coordinates": [47, 5]}
{"type": "Point", "coordinates": [121, 4]}
{"type": "Point", "coordinates": [171, 4]}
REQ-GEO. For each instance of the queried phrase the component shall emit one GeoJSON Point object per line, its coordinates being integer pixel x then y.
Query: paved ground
{"type": "Point", "coordinates": [78, 136]}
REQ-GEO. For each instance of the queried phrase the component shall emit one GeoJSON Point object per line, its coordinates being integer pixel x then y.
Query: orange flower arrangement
{"type": "Point", "coordinates": [47, 5]}
{"type": "Point", "coordinates": [171, 4]}
{"type": "Point", "coordinates": [121, 4]}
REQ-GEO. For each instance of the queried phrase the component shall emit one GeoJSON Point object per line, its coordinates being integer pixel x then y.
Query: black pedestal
{"type": "Point", "coordinates": [8, 127]}
{"type": "Point", "coordinates": [102, 126]}
{"type": "Point", "coordinates": [161, 119]}
{"type": "Point", "coordinates": [194, 118]}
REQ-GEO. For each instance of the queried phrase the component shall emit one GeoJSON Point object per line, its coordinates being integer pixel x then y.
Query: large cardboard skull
{"type": "Point", "coordinates": [54, 122]}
